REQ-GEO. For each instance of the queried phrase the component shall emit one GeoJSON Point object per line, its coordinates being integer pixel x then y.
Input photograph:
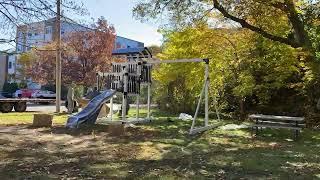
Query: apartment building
{"type": "Point", "coordinates": [38, 34]}
{"type": "Point", "coordinates": [41, 33]}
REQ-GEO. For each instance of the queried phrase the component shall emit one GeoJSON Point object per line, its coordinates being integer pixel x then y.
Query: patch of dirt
{"type": "Point", "coordinates": [57, 152]}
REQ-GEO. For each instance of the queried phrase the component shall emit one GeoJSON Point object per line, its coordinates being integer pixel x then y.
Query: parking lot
{"type": "Point", "coordinates": [50, 108]}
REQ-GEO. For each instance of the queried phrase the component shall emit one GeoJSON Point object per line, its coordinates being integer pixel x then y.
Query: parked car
{"type": "Point", "coordinates": [44, 95]}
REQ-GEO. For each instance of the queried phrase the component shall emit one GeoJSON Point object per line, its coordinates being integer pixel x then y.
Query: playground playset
{"type": "Point", "coordinates": [127, 78]}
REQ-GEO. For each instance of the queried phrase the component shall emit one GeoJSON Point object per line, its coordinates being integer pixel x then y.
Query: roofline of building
{"type": "Point", "coordinates": [129, 39]}
{"type": "Point", "coordinates": [142, 49]}
{"type": "Point", "coordinates": [70, 21]}
{"type": "Point", "coordinates": [63, 19]}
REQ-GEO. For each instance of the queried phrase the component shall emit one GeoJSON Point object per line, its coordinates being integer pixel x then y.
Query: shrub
{"type": "Point", "coordinates": [9, 89]}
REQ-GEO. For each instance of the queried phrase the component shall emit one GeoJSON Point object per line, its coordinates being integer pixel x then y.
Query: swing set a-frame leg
{"type": "Point", "coordinates": [205, 91]}
{"type": "Point", "coordinates": [193, 129]}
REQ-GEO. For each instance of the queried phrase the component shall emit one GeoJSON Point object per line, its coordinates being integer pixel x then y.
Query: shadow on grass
{"type": "Point", "coordinates": [161, 149]}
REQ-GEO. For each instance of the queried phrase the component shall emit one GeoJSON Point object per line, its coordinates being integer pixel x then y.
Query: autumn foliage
{"type": "Point", "coordinates": [84, 54]}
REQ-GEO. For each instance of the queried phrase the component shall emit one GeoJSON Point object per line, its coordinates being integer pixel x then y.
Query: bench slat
{"type": "Point", "coordinates": [281, 123]}
{"type": "Point", "coordinates": [276, 126]}
{"type": "Point", "coordinates": [272, 117]}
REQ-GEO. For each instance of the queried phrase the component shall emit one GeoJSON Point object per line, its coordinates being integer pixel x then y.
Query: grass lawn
{"type": "Point", "coordinates": [26, 118]}
{"type": "Point", "coordinates": [159, 150]}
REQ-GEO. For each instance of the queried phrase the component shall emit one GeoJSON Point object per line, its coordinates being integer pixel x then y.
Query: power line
{"type": "Point", "coordinates": [62, 16]}
{"type": "Point", "coordinates": [70, 21]}
{"type": "Point", "coordinates": [6, 40]}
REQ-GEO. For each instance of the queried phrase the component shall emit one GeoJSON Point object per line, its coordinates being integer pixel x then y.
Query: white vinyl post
{"type": "Point", "coordinates": [137, 108]}
{"type": "Point", "coordinates": [125, 92]}
{"type": "Point", "coordinates": [207, 94]}
{"type": "Point", "coordinates": [97, 79]}
{"type": "Point", "coordinates": [198, 107]}
{"type": "Point", "coordinates": [139, 75]}
{"type": "Point", "coordinates": [111, 108]}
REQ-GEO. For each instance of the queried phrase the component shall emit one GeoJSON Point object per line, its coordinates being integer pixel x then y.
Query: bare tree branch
{"type": "Point", "coordinates": [262, 32]}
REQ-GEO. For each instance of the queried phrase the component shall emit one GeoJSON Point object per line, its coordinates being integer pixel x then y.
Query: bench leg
{"type": "Point", "coordinates": [296, 134]}
{"type": "Point", "coordinates": [254, 131]}
{"type": "Point", "coordinates": [257, 128]}
{"type": "Point", "coordinates": [260, 128]}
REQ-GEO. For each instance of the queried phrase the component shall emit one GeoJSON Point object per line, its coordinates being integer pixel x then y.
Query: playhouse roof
{"type": "Point", "coordinates": [132, 51]}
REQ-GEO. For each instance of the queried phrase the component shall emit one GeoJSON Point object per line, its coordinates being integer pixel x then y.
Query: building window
{"type": "Point", "coordinates": [10, 65]}
{"type": "Point", "coordinates": [29, 34]}
{"type": "Point", "coordinates": [49, 30]}
{"type": "Point", "coordinates": [118, 45]}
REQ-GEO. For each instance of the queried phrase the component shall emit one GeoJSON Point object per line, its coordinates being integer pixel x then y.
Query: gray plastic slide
{"type": "Point", "coordinates": [90, 113]}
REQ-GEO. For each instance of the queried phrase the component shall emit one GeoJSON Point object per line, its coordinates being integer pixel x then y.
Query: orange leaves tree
{"type": "Point", "coordinates": [39, 64]}
{"type": "Point", "coordinates": [85, 53]}
{"type": "Point", "coordinates": [92, 52]}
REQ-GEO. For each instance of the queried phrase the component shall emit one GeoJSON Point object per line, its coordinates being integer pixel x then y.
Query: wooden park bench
{"type": "Point", "coordinates": [277, 122]}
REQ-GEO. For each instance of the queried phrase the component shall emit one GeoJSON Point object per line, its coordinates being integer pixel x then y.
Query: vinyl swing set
{"type": "Point", "coordinates": [128, 77]}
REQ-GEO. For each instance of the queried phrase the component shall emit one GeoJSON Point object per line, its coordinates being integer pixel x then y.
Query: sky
{"type": "Point", "coordinates": [119, 14]}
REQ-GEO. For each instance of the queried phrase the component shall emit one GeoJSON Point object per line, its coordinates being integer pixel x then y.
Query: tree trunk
{"type": "Point", "coordinates": [242, 110]}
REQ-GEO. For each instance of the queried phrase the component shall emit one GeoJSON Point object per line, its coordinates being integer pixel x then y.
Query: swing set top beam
{"type": "Point", "coordinates": [158, 61]}
{"type": "Point", "coordinates": [151, 61]}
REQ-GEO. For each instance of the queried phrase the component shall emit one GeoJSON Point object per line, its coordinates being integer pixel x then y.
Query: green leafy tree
{"type": "Point", "coordinates": [155, 50]}
{"type": "Point", "coordinates": [187, 79]}
{"type": "Point", "coordinates": [251, 14]}
{"type": "Point", "coordinates": [246, 71]}
{"type": "Point", "coordinates": [25, 61]}
{"type": "Point", "coordinates": [291, 23]}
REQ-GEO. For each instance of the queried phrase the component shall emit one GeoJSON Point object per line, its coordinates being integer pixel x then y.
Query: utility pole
{"type": "Point", "coordinates": [58, 57]}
